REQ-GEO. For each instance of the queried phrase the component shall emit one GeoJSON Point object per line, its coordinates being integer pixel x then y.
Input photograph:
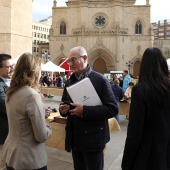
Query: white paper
{"type": "Point", "coordinates": [84, 93]}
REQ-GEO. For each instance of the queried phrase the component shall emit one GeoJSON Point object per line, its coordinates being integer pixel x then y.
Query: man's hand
{"type": "Point", "coordinates": [64, 108]}
{"type": "Point", "coordinates": [78, 110]}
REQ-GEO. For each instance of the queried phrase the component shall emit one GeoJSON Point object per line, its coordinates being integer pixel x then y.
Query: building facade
{"type": "Point", "coordinates": [114, 32]}
{"type": "Point", "coordinates": [161, 31]}
{"type": "Point", "coordinates": [40, 36]}
{"type": "Point", "coordinates": [15, 27]}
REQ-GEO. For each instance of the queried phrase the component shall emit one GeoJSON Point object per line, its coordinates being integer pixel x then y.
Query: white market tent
{"type": "Point", "coordinates": [168, 62]}
{"type": "Point", "coordinates": [51, 67]}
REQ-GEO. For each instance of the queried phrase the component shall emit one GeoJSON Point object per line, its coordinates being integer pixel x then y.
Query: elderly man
{"type": "Point", "coordinates": [6, 71]}
{"type": "Point", "coordinates": [87, 130]}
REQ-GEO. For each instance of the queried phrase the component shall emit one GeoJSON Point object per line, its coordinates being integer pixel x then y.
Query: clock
{"type": "Point", "coordinates": [100, 21]}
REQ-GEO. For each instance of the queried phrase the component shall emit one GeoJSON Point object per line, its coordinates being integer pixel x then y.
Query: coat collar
{"type": "Point", "coordinates": [85, 74]}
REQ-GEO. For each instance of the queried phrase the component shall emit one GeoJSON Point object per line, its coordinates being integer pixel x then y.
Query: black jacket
{"type": "Point", "coordinates": [148, 137]}
{"type": "Point", "coordinates": [3, 115]}
{"type": "Point", "coordinates": [118, 92]}
{"type": "Point", "coordinates": [90, 132]}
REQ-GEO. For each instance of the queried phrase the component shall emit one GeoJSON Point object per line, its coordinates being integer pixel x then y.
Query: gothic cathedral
{"type": "Point", "coordinates": [114, 32]}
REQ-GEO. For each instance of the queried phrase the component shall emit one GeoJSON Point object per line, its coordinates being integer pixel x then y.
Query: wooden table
{"type": "Point", "coordinates": [124, 107]}
{"type": "Point", "coordinates": [56, 91]}
{"type": "Point", "coordinates": [57, 139]}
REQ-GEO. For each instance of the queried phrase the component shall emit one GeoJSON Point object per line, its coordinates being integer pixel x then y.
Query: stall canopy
{"type": "Point", "coordinates": [66, 67]}
{"type": "Point", "coordinates": [51, 67]}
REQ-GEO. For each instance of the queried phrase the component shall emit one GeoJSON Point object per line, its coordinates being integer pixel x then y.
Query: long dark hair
{"type": "Point", "coordinates": [154, 73]}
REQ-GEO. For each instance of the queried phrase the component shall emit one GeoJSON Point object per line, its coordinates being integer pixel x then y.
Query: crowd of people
{"type": "Point", "coordinates": [24, 130]}
{"type": "Point", "coordinates": [56, 80]}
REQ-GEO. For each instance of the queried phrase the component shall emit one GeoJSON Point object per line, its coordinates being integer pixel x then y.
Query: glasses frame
{"type": "Point", "coordinates": [9, 67]}
{"type": "Point", "coordinates": [72, 60]}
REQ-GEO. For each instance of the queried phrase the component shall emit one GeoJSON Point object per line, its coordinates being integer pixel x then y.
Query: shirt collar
{"type": "Point", "coordinates": [7, 81]}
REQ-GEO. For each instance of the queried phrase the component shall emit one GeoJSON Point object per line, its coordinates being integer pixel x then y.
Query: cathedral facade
{"type": "Point", "coordinates": [115, 33]}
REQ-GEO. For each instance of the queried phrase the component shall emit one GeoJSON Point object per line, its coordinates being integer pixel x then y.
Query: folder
{"type": "Point", "coordinates": [84, 93]}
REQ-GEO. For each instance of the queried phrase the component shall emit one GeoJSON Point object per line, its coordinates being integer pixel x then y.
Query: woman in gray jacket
{"type": "Point", "coordinates": [24, 147]}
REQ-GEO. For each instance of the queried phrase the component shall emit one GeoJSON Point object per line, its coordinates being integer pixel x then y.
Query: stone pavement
{"type": "Point", "coordinates": [61, 160]}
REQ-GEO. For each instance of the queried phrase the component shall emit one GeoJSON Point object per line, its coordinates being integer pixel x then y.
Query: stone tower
{"type": "Point", "coordinates": [15, 27]}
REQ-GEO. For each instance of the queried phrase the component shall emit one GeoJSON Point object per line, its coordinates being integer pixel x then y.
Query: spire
{"type": "Point", "coordinates": [147, 2]}
{"type": "Point", "coordinates": [54, 3]}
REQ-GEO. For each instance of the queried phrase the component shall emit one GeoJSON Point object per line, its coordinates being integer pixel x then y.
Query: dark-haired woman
{"type": "Point", "coordinates": [147, 144]}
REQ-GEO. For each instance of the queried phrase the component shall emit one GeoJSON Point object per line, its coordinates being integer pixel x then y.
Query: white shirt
{"type": "Point", "coordinates": [7, 81]}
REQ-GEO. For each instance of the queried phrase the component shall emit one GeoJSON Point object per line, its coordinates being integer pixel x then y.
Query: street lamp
{"type": "Point", "coordinates": [46, 56]}
{"type": "Point", "coordinates": [129, 64]}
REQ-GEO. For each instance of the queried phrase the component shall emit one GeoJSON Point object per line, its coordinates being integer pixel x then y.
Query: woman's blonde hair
{"type": "Point", "coordinates": [26, 73]}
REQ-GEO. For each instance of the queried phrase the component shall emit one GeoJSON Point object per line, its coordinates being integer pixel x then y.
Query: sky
{"type": "Point", "coordinates": [159, 9]}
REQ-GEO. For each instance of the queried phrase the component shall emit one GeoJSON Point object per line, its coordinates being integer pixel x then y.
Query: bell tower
{"type": "Point", "coordinates": [16, 27]}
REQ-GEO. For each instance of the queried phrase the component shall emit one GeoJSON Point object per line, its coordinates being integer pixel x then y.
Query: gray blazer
{"type": "Point", "coordinates": [24, 147]}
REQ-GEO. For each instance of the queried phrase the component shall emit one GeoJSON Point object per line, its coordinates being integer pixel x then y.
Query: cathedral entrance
{"type": "Point", "coordinates": [136, 68]}
{"type": "Point", "coordinates": [100, 66]}
{"type": "Point", "coordinates": [101, 61]}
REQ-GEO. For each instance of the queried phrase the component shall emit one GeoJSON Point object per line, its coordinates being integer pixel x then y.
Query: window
{"type": "Point", "coordinates": [161, 34]}
{"type": "Point", "coordinates": [138, 27]}
{"type": "Point", "coordinates": [34, 34]}
{"type": "Point", "coordinates": [62, 28]}
{"type": "Point", "coordinates": [44, 36]}
{"type": "Point", "coordinates": [41, 35]}
{"type": "Point", "coordinates": [35, 49]}
{"type": "Point", "coordinates": [168, 33]}
{"type": "Point", "coordinates": [167, 28]}
{"type": "Point", "coordinates": [35, 42]}
{"type": "Point", "coordinates": [38, 35]}
{"type": "Point", "coordinates": [161, 29]}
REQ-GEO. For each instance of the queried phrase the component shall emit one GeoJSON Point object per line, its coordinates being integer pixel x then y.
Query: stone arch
{"type": "Point", "coordinates": [59, 23]}
{"type": "Point", "coordinates": [102, 55]}
{"type": "Point", "coordinates": [58, 59]}
{"type": "Point", "coordinates": [136, 65]}
{"type": "Point", "coordinates": [140, 19]}
{"type": "Point", "coordinates": [142, 24]}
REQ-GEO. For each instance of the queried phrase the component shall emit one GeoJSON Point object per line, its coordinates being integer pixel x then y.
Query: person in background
{"type": "Point", "coordinates": [47, 81]}
{"type": "Point", "coordinates": [121, 81]}
{"type": "Point", "coordinates": [126, 80]}
{"type": "Point", "coordinates": [6, 71]}
{"type": "Point", "coordinates": [64, 80]}
{"type": "Point", "coordinates": [118, 92]}
{"type": "Point", "coordinates": [147, 144]}
{"type": "Point", "coordinates": [59, 81]}
{"type": "Point", "coordinates": [24, 147]}
{"type": "Point", "coordinates": [128, 91]}
{"type": "Point", "coordinates": [87, 130]}
{"type": "Point", "coordinates": [54, 80]}
{"type": "Point", "coordinates": [42, 77]}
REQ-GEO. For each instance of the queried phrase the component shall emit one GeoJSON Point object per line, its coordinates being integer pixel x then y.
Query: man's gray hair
{"type": "Point", "coordinates": [81, 50]}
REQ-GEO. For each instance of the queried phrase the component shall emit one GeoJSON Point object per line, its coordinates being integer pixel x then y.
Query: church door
{"type": "Point", "coordinates": [99, 66]}
{"type": "Point", "coordinates": [136, 68]}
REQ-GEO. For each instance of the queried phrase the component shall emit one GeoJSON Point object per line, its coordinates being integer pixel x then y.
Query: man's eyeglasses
{"type": "Point", "coordinates": [9, 67]}
{"type": "Point", "coordinates": [72, 60]}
